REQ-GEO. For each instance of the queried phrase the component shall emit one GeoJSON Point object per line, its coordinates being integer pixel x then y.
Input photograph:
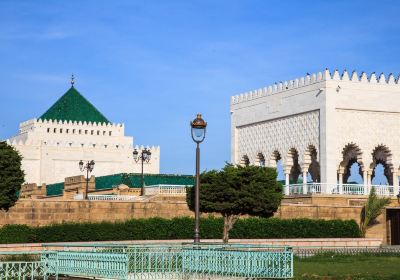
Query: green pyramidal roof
{"type": "Point", "coordinates": [72, 106]}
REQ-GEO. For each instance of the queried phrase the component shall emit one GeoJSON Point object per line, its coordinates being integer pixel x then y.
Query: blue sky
{"type": "Point", "coordinates": [154, 64]}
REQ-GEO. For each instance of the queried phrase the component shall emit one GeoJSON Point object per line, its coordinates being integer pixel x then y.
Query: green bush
{"type": "Point", "coordinates": [178, 228]}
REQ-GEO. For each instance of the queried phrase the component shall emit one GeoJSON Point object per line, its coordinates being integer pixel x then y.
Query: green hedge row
{"type": "Point", "coordinates": [178, 228]}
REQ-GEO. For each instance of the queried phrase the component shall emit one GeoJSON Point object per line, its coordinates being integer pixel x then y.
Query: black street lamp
{"type": "Point", "coordinates": [144, 157]}
{"type": "Point", "coordinates": [198, 134]}
{"type": "Point", "coordinates": [89, 166]}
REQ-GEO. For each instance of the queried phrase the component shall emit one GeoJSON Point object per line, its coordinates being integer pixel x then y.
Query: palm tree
{"type": "Point", "coordinates": [372, 210]}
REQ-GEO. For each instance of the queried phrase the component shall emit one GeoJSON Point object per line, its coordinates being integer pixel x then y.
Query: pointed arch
{"type": "Point", "coordinates": [382, 155]}
{"type": "Point", "coordinates": [311, 160]}
{"type": "Point", "coordinates": [260, 159]}
{"type": "Point", "coordinates": [274, 158]}
{"type": "Point", "coordinates": [292, 162]}
{"type": "Point", "coordinates": [245, 160]}
{"type": "Point", "coordinates": [351, 154]}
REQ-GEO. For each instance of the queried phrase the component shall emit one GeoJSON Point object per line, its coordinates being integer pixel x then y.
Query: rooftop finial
{"type": "Point", "coordinates": [72, 79]}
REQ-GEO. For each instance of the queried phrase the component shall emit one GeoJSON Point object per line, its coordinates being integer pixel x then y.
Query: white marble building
{"type": "Point", "coordinates": [322, 124]}
{"type": "Point", "coordinates": [73, 130]}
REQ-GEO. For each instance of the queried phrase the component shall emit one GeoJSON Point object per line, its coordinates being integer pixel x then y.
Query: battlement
{"type": "Point", "coordinates": [79, 144]}
{"type": "Point", "coordinates": [72, 127]}
{"type": "Point", "coordinates": [314, 78]}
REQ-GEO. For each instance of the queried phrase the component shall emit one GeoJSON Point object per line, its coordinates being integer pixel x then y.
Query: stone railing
{"type": "Point", "coordinates": [103, 197]}
{"type": "Point", "coordinates": [172, 190]}
{"type": "Point", "coordinates": [111, 197]}
{"type": "Point", "coordinates": [349, 189]}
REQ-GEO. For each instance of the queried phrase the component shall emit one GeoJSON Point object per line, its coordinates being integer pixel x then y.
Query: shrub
{"type": "Point", "coordinates": [178, 228]}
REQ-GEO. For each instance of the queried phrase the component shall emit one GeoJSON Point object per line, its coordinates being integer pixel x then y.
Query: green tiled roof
{"type": "Point", "coordinates": [132, 180]}
{"type": "Point", "coordinates": [72, 106]}
{"type": "Point", "coordinates": [54, 189]}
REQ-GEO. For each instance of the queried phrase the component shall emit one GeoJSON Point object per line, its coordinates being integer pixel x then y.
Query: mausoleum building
{"type": "Point", "coordinates": [72, 130]}
{"type": "Point", "coordinates": [320, 125]}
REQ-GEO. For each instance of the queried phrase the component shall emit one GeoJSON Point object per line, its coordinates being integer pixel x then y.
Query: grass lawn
{"type": "Point", "coordinates": [346, 267]}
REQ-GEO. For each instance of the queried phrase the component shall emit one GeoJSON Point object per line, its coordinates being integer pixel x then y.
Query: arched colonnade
{"type": "Point", "coordinates": [298, 169]}
{"type": "Point", "coordinates": [367, 166]}
{"type": "Point", "coordinates": [307, 167]}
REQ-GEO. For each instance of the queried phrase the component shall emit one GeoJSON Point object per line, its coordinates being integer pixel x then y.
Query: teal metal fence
{"type": "Point", "coordinates": [29, 265]}
{"type": "Point", "coordinates": [182, 261]}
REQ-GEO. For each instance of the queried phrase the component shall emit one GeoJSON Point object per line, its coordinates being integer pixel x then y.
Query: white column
{"type": "Point", "coordinates": [287, 192]}
{"type": "Point", "coordinates": [304, 182]}
{"type": "Point", "coordinates": [340, 182]}
{"type": "Point", "coordinates": [369, 181]}
{"type": "Point", "coordinates": [365, 181]}
{"type": "Point", "coordinates": [395, 184]}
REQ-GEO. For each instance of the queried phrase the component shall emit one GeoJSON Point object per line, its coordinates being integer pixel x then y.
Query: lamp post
{"type": "Point", "coordinates": [89, 166]}
{"type": "Point", "coordinates": [144, 157]}
{"type": "Point", "coordinates": [198, 126]}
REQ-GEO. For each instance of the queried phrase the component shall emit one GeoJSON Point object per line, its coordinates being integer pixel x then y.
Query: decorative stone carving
{"type": "Point", "coordinates": [298, 132]}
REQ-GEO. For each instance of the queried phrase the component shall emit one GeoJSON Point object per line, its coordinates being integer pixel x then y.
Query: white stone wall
{"type": "Point", "coordinates": [279, 135]}
{"type": "Point", "coordinates": [325, 110]}
{"type": "Point", "coordinates": [51, 150]}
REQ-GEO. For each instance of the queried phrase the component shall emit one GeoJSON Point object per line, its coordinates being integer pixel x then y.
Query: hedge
{"type": "Point", "coordinates": [178, 228]}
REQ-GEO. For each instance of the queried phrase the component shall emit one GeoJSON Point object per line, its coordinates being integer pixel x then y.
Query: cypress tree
{"type": "Point", "coordinates": [11, 175]}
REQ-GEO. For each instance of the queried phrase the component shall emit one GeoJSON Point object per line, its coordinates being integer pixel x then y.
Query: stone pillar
{"type": "Point", "coordinates": [395, 184]}
{"type": "Point", "coordinates": [328, 136]}
{"type": "Point", "coordinates": [340, 182]}
{"type": "Point", "coordinates": [305, 191]}
{"type": "Point", "coordinates": [365, 181]}
{"type": "Point", "coordinates": [369, 181]}
{"type": "Point", "coordinates": [287, 183]}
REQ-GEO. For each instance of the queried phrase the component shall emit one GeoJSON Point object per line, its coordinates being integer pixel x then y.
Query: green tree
{"type": "Point", "coordinates": [238, 190]}
{"type": "Point", "coordinates": [372, 209]}
{"type": "Point", "coordinates": [11, 175]}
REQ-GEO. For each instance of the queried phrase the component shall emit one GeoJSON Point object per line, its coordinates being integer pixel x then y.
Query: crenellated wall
{"type": "Point", "coordinates": [328, 118]}
{"type": "Point", "coordinates": [316, 78]}
{"type": "Point", "coordinates": [51, 150]}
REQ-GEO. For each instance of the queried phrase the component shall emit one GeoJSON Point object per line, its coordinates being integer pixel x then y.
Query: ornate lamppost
{"type": "Point", "coordinates": [144, 157]}
{"type": "Point", "coordinates": [89, 166]}
{"type": "Point", "coordinates": [198, 126]}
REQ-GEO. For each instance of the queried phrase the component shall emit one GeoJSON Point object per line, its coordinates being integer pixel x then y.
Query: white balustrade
{"type": "Point", "coordinates": [111, 197]}
{"type": "Point", "coordinates": [347, 189]}
{"type": "Point", "coordinates": [353, 189]}
{"type": "Point", "coordinates": [384, 190]}
{"type": "Point", "coordinates": [295, 189]}
{"type": "Point", "coordinates": [172, 190]}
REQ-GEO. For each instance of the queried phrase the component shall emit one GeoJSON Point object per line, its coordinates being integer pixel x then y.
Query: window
{"type": "Point", "coordinates": [60, 130]}
{"type": "Point", "coordinates": [67, 130]}
{"type": "Point", "coordinates": [117, 146]}
{"type": "Point", "coordinates": [105, 146]}
{"type": "Point", "coordinates": [109, 133]}
{"type": "Point", "coordinates": [55, 130]}
{"type": "Point", "coordinates": [104, 133]}
{"type": "Point", "coordinates": [82, 145]}
{"type": "Point", "coordinates": [94, 145]}
{"type": "Point", "coordinates": [73, 131]}
{"type": "Point", "coordinates": [86, 131]}
{"type": "Point", "coordinates": [48, 130]}
{"type": "Point", "coordinates": [80, 131]}
{"type": "Point", "coordinates": [92, 132]}
{"type": "Point", "coordinates": [98, 132]}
